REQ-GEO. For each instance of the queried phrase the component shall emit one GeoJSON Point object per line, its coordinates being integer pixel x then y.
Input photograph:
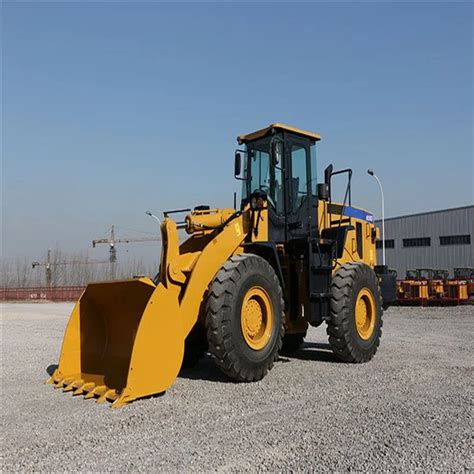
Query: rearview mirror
{"type": "Point", "coordinates": [237, 164]}
{"type": "Point", "coordinates": [328, 173]}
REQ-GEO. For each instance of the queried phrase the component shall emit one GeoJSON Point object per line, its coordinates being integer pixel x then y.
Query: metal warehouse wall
{"type": "Point", "coordinates": [447, 222]}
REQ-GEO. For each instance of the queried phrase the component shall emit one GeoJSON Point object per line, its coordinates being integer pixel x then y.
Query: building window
{"type": "Point", "coordinates": [389, 244]}
{"type": "Point", "coordinates": [417, 242]}
{"type": "Point", "coordinates": [455, 240]}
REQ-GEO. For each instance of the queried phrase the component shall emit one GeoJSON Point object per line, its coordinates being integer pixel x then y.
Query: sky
{"type": "Point", "coordinates": [111, 109]}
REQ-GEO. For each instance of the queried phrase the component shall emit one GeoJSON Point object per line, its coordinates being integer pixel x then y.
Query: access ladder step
{"type": "Point", "coordinates": [321, 268]}
{"type": "Point", "coordinates": [320, 296]}
{"type": "Point", "coordinates": [323, 241]}
{"type": "Point", "coordinates": [339, 222]}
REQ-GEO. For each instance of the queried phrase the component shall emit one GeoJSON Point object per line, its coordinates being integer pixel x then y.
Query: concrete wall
{"type": "Point", "coordinates": [457, 221]}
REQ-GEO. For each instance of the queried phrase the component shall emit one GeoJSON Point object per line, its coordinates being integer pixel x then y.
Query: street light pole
{"type": "Point", "coordinates": [157, 219]}
{"type": "Point", "coordinates": [371, 173]}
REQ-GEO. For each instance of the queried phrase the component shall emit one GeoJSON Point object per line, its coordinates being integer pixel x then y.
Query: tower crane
{"type": "Point", "coordinates": [112, 241]}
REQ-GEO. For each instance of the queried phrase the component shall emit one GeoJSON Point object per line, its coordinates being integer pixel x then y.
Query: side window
{"type": "Point", "coordinates": [260, 168]}
{"type": "Point", "coordinates": [299, 179]}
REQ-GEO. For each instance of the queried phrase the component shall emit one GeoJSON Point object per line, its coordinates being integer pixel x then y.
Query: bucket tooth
{"type": "Point", "coordinates": [101, 390]}
{"type": "Point", "coordinates": [78, 383]}
{"type": "Point", "coordinates": [59, 383]}
{"type": "Point", "coordinates": [54, 377]}
{"type": "Point", "coordinates": [84, 388]}
{"type": "Point", "coordinates": [98, 390]}
{"type": "Point", "coordinates": [73, 385]}
{"type": "Point", "coordinates": [113, 396]}
{"type": "Point", "coordinates": [108, 395]}
{"type": "Point", "coordinates": [88, 387]}
{"type": "Point", "coordinates": [119, 402]}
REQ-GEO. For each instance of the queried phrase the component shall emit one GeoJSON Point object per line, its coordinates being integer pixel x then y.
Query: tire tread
{"type": "Point", "coordinates": [339, 331]}
{"type": "Point", "coordinates": [218, 313]}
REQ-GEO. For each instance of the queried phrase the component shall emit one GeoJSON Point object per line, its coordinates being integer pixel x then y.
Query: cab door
{"type": "Point", "coordinates": [300, 199]}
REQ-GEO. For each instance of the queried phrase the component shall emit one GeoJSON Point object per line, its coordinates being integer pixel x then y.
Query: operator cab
{"type": "Point", "coordinates": [280, 163]}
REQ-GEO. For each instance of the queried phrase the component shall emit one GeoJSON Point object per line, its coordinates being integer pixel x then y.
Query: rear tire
{"type": "Point", "coordinates": [355, 327]}
{"type": "Point", "coordinates": [245, 318]}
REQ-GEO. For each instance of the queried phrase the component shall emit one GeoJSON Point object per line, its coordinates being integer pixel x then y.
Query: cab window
{"type": "Point", "coordinates": [299, 177]}
{"type": "Point", "coordinates": [262, 176]}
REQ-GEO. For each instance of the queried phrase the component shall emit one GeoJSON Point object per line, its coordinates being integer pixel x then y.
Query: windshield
{"type": "Point", "coordinates": [261, 176]}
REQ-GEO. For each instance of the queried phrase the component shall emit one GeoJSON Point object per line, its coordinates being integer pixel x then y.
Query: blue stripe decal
{"type": "Point", "coordinates": [358, 214]}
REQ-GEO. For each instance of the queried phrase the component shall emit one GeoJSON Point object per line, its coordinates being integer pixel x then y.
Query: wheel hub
{"type": "Point", "coordinates": [365, 313]}
{"type": "Point", "coordinates": [256, 318]}
{"type": "Point", "coordinates": [253, 317]}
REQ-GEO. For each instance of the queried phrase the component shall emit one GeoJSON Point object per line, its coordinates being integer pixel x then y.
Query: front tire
{"type": "Point", "coordinates": [355, 327]}
{"type": "Point", "coordinates": [245, 318]}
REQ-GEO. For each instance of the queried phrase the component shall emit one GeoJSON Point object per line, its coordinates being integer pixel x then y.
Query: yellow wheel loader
{"type": "Point", "coordinates": [244, 286]}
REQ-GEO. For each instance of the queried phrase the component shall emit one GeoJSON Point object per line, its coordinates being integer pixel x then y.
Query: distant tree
{"type": "Point", "coordinates": [70, 270]}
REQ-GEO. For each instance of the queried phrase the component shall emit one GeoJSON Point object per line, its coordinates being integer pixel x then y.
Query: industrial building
{"type": "Point", "coordinates": [438, 239]}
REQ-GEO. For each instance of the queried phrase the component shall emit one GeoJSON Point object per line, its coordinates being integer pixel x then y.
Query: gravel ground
{"type": "Point", "coordinates": [408, 409]}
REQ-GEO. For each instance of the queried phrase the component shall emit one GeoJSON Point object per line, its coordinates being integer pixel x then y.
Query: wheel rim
{"type": "Point", "coordinates": [256, 318]}
{"type": "Point", "coordinates": [365, 314]}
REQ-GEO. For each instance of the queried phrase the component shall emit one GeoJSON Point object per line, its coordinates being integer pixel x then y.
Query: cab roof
{"type": "Point", "coordinates": [274, 127]}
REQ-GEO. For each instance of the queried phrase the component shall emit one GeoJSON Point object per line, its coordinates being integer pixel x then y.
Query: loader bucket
{"type": "Point", "coordinates": [124, 340]}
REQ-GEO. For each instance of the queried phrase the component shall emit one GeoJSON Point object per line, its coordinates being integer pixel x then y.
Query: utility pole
{"type": "Point", "coordinates": [113, 255]}
{"type": "Point", "coordinates": [47, 267]}
{"type": "Point", "coordinates": [49, 276]}
{"type": "Point", "coordinates": [112, 241]}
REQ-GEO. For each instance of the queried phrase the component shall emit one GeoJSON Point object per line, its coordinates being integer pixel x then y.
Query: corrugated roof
{"type": "Point", "coordinates": [426, 213]}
